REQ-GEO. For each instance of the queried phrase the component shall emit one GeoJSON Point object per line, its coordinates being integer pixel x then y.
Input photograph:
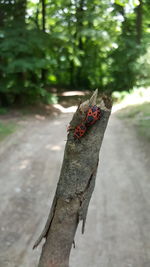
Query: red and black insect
{"type": "Point", "coordinates": [79, 131]}
{"type": "Point", "coordinates": [93, 114]}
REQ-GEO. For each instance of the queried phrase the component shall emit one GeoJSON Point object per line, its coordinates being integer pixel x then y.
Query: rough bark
{"type": "Point", "coordinates": [74, 189]}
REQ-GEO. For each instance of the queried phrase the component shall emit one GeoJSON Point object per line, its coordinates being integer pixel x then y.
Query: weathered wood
{"type": "Point", "coordinates": [75, 187]}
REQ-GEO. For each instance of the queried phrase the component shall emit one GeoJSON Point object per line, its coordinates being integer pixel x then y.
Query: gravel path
{"type": "Point", "coordinates": [118, 224]}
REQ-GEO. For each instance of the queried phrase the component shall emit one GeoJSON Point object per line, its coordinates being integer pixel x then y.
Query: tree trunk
{"type": "Point", "coordinates": [139, 13]}
{"type": "Point", "coordinates": [37, 16]}
{"type": "Point", "coordinates": [20, 12]}
{"type": "Point", "coordinates": [43, 15]}
{"type": "Point", "coordinates": [71, 43]}
{"type": "Point", "coordinates": [43, 71]}
{"type": "Point", "coordinates": [74, 189]}
{"type": "Point", "coordinates": [79, 23]}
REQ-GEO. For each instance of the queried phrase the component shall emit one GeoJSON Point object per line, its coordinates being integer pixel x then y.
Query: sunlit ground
{"type": "Point", "coordinates": [135, 109]}
{"type": "Point", "coordinates": [32, 168]}
{"type": "Point", "coordinates": [65, 110]}
{"type": "Point", "coordinates": [73, 93]}
{"type": "Point", "coordinates": [138, 96]}
{"type": "Point", "coordinates": [131, 103]}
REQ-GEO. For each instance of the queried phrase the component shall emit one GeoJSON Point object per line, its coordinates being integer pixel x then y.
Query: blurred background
{"type": "Point", "coordinates": [73, 45]}
{"type": "Point", "coordinates": [52, 55]}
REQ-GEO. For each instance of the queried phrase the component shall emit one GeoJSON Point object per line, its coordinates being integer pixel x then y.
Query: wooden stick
{"type": "Point", "coordinates": [75, 187]}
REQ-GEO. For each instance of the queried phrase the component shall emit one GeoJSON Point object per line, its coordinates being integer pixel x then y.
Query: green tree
{"type": "Point", "coordinates": [80, 44]}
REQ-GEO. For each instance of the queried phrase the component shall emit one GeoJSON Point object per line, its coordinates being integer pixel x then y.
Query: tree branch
{"type": "Point", "coordinates": [75, 187]}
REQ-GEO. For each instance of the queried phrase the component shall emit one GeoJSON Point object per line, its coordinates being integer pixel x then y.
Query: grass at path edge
{"type": "Point", "coordinates": [139, 116]}
{"type": "Point", "coordinates": [6, 128]}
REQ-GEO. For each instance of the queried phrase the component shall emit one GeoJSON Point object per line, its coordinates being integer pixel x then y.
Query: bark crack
{"type": "Point", "coordinates": [85, 198]}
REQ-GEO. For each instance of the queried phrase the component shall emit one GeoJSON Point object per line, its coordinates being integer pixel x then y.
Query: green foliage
{"type": "Point", "coordinates": [136, 95]}
{"type": "Point", "coordinates": [6, 129]}
{"type": "Point", "coordinates": [80, 44]}
{"type": "Point", "coordinates": [143, 78]}
{"type": "Point", "coordinates": [47, 97]}
{"type": "Point", "coordinates": [139, 116]}
{"type": "Point", "coordinates": [22, 51]}
{"type": "Point", "coordinates": [3, 111]}
{"type": "Point", "coordinates": [119, 96]}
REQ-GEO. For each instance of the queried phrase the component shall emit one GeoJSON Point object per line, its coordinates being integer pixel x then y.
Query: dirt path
{"type": "Point", "coordinates": [118, 225]}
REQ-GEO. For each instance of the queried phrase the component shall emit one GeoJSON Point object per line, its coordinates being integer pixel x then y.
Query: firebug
{"type": "Point", "coordinates": [93, 114]}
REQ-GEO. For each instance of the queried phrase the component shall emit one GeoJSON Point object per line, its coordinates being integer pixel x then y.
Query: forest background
{"type": "Point", "coordinates": [49, 47]}
{"type": "Point", "coordinates": [72, 44]}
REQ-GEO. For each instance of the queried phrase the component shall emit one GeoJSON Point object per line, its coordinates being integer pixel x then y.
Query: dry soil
{"type": "Point", "coordinates": [118, 224]}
